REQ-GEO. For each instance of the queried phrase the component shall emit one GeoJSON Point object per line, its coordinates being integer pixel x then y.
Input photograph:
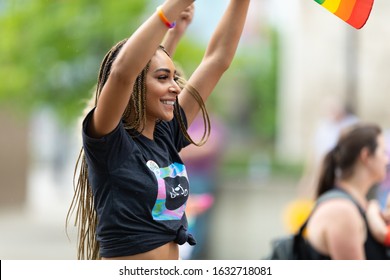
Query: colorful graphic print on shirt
{"type": "Point", "coordinates": [173, 191]}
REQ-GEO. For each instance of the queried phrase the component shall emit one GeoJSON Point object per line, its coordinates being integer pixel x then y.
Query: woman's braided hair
{"type": "Point", "coordinates": [134, 118]}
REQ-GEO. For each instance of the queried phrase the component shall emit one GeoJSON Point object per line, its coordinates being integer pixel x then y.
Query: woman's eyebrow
{"type": "Point", "coordinates": [166, 70]}
{"type": "Point", "coordinates": [163, 70]}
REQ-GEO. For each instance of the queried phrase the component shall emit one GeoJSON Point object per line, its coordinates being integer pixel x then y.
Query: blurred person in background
{"type": "Point", "coordinates": [132, 187]}
{"type": "Point", "coordinates": [337, 117]}
{"type": "Point", "coordinates": [382, 190]}
{"type": "Point", "coordinates": [351, 227]}
{"type": "Point", "coordinates": [203, 165]}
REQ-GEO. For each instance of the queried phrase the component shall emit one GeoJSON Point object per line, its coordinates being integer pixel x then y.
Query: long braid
{"type": "Point", "coordinates": [206, 120]}
{"type": "Point", "coordinates": [195, 94]}
{"type": "Point", "coordinates": [86, 217]}
{"type": "Point", "coordinates": [135, 114]}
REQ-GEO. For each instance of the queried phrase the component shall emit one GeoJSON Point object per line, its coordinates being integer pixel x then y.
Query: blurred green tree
{"type": "Point", "coordinates": [263, 88]}
{"type": "Point", "coordinates": [50, 51]}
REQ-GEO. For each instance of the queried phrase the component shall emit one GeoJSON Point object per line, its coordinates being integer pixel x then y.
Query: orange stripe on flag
{"type": "Point", "coordinates": [345, 9]}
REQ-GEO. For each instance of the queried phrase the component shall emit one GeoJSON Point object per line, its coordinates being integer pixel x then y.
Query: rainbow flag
{"type": "Point", "coordinates": [353, 12]}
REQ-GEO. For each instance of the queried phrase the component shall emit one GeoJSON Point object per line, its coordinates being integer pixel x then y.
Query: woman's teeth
{"type": "Point", "coordinates": [169, 102]}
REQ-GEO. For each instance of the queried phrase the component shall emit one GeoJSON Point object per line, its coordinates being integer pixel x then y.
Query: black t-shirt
{"type": "Point", "coordinates": [140, 188]}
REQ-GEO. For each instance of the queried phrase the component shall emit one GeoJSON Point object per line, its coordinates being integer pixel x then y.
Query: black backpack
{"type": "Point", "coordinates": [293, 246]}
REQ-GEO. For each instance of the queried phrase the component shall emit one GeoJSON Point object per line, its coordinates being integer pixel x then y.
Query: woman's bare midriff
{"type": "Point", "coordinates": [169, 251]}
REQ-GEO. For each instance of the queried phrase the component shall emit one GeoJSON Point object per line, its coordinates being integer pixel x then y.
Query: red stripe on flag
{"type": "Point", "coordinates": [360, 13]}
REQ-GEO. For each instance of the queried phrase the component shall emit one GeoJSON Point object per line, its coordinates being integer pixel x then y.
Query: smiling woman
{"type": "Point", "coordinates": [133, 187]}
{"type": "Point", "coordinates": [161, 82]}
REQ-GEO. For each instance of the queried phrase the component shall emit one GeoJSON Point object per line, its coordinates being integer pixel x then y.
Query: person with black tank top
{"type": "Point", "coordinates": [344, 225]}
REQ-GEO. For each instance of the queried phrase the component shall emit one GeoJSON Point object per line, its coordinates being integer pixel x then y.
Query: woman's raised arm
{"type": "Point", "coordinates": [218, 56]}
{"type": "Point", "coordinates": [131, 59]}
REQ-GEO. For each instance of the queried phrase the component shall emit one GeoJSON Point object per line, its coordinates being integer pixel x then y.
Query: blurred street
{"type": "Point", "coordinates": [248, 216]}
{"type": "Point", "coordinates": [245, 218]}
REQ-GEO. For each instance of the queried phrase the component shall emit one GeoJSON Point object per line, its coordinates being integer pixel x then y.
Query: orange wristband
{"type": "Point", "coordinates": [164, 18]}
{"type": "Point", "coordinates": [387, 238]}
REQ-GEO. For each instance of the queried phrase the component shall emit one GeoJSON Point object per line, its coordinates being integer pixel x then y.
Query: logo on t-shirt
{"type": "Point", "coordinates": [173, 191]}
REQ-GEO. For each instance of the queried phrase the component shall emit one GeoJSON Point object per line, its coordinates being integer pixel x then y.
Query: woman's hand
{"type": "Point", "coordinates": [174, 35]}
{"type": "Point", "coordinates": [386, 211]}
{"type": "Point", "coordinates": [184, 20]}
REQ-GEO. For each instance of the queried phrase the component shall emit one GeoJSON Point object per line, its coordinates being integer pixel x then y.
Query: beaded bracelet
{"type": "Point", "coordinates": [164, 18]}
{"type": "Point", "coordinates": [387, 238]}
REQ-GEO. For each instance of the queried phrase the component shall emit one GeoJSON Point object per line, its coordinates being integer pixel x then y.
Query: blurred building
{"type": "Point", "coordinates": [321, 57]}
{"type": "Point", "coordinates": [13, 159]}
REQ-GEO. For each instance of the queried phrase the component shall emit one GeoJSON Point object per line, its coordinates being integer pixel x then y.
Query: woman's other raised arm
{"type": "Point", "coordinates": [174, 35]}
{"type": "Point", "coordinates": [218, 56]}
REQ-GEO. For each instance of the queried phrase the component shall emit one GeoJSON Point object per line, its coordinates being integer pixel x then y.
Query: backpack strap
{"type": "Point", "coordinates": [340, 193]}
{"type": "Point", "coordinates": [332, 194]}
